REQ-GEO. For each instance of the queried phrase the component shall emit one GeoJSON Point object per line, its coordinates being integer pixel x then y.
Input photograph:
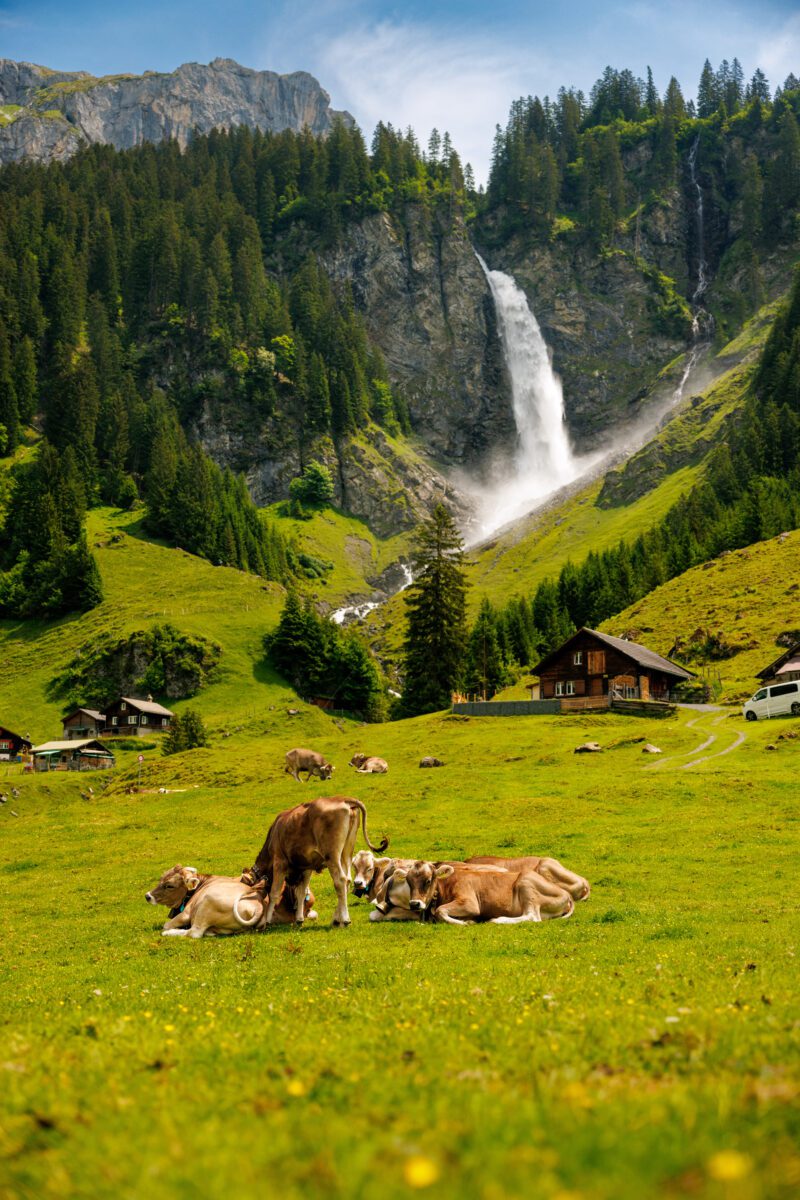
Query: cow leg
{"type": "Point", "coordinates": [533, 914]}
{"type": "Point", "coordinates": [278, 876]}
{"type": "Point", "coordinates": [341, 916]}
{"type": "Point", "coordinates": [395, 914]}
{"type": "Point", "coordinates": [349, 847]}
{"type": "Point", "coordinates": [552, 869]}
{"type": "Point", "coordinates": [446, 913]}
{"type": "Point", "coordinates": [175, 932]}
{"type": "Point", "coordinates": [181, 922]}
{"type": "Point", "coordinates": [300, 899]}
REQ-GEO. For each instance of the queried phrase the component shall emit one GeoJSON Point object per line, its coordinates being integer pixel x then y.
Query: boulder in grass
{"type": "Point", "coordinates": [649, 748]}
{"type": "Point", "coordinates": [588, 748]}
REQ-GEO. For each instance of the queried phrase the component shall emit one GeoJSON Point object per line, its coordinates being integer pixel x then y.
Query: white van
{"type": "Point", "coordinates": [777, 700]}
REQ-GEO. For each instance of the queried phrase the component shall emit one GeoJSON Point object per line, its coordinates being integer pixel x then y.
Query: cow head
{"type": "Point", "coordinates": [422, 879]}
{"type": "Point", "coordinates": [173, 886]}
{"type": "Point", "coordinates": [363, 871]}
{"type": "Point", "coordinates": [357, 760]}
{"type": "Point", "coordinates": [326, 770]}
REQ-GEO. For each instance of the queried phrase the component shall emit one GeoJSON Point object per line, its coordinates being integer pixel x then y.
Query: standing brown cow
{"type": "Point", "coordinates": [549, 868]}
{"type": "Point", "coordinates": [308, 838]}
{"type": "Point", "coordinates": [309, 761]}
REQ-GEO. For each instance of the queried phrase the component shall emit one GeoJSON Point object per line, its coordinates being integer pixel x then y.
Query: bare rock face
{"type": "Point", "coordinates": [126, 110]}
{"type": "Point", "coordinates": [48, 138]}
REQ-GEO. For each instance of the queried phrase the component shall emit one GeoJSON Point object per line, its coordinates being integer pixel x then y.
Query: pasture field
{"type": "Point", "coordinates": [646, 1047]}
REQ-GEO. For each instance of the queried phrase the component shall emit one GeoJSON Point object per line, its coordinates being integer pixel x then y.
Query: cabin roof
{"type": "Point", "coordinates": [90, 712]}
{"type": "Point", "coordinates": [75, 744]}
{"type": "Point", "coordinates": [639, 654]}
{"type": "Point", "coordinates": [148, 706]}
{"type": "Point", "coordinates": [5, 730]}
{"type": "Point", "coordinates": [781, 663]}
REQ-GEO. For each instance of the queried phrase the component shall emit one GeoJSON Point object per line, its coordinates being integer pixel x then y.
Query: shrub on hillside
{"type": "Point", "coordinates": [187, 733]}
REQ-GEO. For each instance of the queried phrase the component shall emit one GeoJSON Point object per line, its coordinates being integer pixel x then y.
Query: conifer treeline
{"type": "Point", "coordinates": [134, 295]}
{"type": "Point", "coordinates": [566, 157]}
{"type": "Point", "coordinates": [751, 491]}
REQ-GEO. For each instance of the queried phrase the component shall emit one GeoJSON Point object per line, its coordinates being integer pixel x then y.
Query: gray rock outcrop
{"type": "Point", "coordinates": [126, 110]}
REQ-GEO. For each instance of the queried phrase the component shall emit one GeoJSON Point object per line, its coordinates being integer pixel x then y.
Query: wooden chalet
{"type": "Point", "coordinates": [84, 723]}
{"type": "Point", "coordinates": [72, 755]}
{"type": "Point", "coordinates": [783, 669]}
{"type": "Point", "coordinates": [593, 670]}
{"type": "Point", "coordinates": [13, 745]}
{"type": "Point", "coordinates": [132, 717]}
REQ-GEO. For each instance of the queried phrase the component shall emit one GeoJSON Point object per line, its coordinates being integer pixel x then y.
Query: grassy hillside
{"type": "Point", "coordinates": [464, 1062]}
{"type": "Point", "coordinates": [745, 599]}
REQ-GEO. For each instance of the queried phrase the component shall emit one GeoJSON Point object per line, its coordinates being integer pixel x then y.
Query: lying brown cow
{"type": "Point", "coordinates": [368, 764]}
{"type": "Point", "coordinates": [374, 878]}
{"type": "Point", "coordinates": [550, 868]}
{"type": "Point", "coordinates": [306, 839]}
{"type": "Point", "coordinates": [461, 895]}
{"type": "Point", "coordinates": [215, 905]}
{"type": "Point", "coordinates": [309, 761]}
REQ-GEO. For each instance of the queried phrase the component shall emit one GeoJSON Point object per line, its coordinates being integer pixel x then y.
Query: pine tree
{"type": "Point", "coordinates": [436, 606]}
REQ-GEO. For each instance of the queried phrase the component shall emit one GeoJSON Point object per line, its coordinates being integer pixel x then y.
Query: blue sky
{"type": "Point", "coordinates": [453, 65]}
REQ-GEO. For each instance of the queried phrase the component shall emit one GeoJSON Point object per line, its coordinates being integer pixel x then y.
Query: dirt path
{"type": "Point", "coordinates": [710, 741]}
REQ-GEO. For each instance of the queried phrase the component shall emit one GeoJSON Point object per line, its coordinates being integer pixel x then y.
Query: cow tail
{"type": "Point", "coordinates": [384, 841]}
{"type": "Point", "coordinates": [242, 920]}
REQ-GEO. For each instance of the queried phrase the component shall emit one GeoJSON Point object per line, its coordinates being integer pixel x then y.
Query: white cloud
{"type": "Point", "coordinates": [423, 76]}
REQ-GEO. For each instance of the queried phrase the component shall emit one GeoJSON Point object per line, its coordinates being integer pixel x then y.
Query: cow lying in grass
{"type": "Point", "coordinates": [462, 894]}
{"type": "Point", "coordinates": [369, 764]}
{"type": "Point", "coordinates": [549, 868]}
{"type": "Point", "coordinates": [206, 905]}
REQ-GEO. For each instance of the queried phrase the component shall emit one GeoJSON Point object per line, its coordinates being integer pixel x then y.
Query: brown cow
{"type": "Point", "coordinates": [208, 905]}
{"type": "Point", "coordinates": [305, 839]}
{"type": "Point", "coordinates": [550, 868]}
{"type": "Point", "coordinates": [309, 761]}
{"type": "Point", "coordinates": [461, 895]}
{"type": "Point", "coordinates": [369, 764]}
{"type": "Point", "coordinates": [374, 878]}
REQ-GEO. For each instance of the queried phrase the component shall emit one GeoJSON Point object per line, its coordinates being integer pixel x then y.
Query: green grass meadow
{"type": "Point", "coordinates": [648, 1046]}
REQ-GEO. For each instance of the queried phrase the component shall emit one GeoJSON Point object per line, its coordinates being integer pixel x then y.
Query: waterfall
{"type": "Point", "coordinates": [702, 321]}
{"type": "Point", "coordinates": [543, 461]}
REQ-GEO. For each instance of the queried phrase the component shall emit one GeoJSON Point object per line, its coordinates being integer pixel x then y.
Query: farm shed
{"type": "Point", "coordinates": [12, 745]}
{"type": "Point", "coordinates": [72, 755]}
{"type": "Point", "coordinates": [131, 716]}
{"type": "Point", "coordinates": [783, 669]}
{"type": "Point", "coordinates": [83, 723]}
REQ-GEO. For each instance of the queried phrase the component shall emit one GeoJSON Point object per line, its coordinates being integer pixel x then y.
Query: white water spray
{"type": "Point", "coordinates": [543, 461]}
{"type": "Point", "coordinates": [359, 612]}
{"type": "Point", "coordinates": [702, 321]}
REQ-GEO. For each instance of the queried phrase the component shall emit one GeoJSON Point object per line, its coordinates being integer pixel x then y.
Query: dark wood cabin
{"type": "Point", "coordinates": [596, 665]}
{"type": "Point", "coordinates": [132, 717]}
{"type": "Point", "coordinates": [72, 755]}
{"type": "Point", "coordinates": [84, 723]}
{"type": "Point", "coordinates": [12, 745]}
{"type": "Point", "coordinates": [783, 669]}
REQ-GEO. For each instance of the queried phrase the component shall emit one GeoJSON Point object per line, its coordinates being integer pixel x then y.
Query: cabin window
{"type": "Point", "coordinates": [165, 720]}
{"type": "Point", "coordinates": [132, 719]}
{"type": "Point", "coordinates": [570, 687]}
{"type": "Point", "coordinates": [143, 720]}
{"type": "Point", "coordinates": [630, 692]}
{"type": "Point", "coordinates": [560, 688]}
{"type": "Point", "coordinates": [115, 720]}
{"type": "Point", "coordinates": [5, 745]}
{"type": "Point", "coordinates": [577, 658]}
{"type": "Point", "coordinates": [123, 706]}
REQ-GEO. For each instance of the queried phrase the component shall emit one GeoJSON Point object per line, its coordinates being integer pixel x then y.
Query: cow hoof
{"type": "Point", "coordinates": [299, 924]}
{"type": "Point", "coordinates": [340, 924]}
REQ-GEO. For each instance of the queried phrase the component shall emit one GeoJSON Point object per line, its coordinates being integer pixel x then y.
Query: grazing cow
{"type": "Point", "coordinates": [550, 868]}
{"type": "Point", "coordinates": [305, 839]}
{"type": "Point", "coordinates": [430, 761]}
{"type": "Point", "coordinates": [461, 894]}
{"type": "Point", "coordinates": [368, 764]}
{"type": "Point", "coordinates": [208, 905]}
{"type": "Point", "coordinates": [309, 761]}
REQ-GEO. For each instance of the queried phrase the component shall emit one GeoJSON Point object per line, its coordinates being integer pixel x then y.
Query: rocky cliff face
{"type": "Point", "coordinates": [427, 305]}
{"type": "Point", "coordinates": [125, 110]}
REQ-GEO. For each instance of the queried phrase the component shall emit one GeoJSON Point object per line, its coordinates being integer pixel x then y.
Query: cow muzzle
{"type": "Point", "coordinates": [150, 898]}
{"type": "Point", "coordinates": [417, 905]}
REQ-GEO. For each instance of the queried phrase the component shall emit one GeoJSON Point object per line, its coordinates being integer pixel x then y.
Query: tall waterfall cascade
{"type": "Point", "coordinates": [702, 321]}
{"type": "Point", "coordinates": [543, 460]}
